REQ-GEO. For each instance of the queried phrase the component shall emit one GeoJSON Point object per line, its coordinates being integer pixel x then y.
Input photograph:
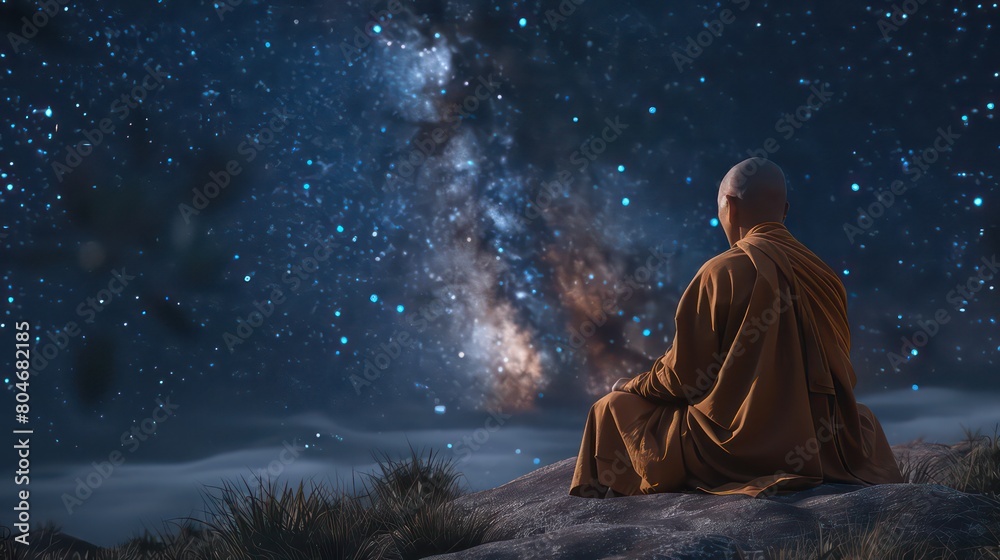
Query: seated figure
{"type": "Point", "coordinates": [756, 393]}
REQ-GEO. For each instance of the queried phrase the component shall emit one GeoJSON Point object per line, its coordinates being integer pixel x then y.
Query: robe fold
{"type": "Point", "coordinates": [756, 393]}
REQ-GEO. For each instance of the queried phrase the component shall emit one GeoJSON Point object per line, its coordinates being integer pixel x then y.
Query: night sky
{"type": "Point", "coordinates": [300, 232]}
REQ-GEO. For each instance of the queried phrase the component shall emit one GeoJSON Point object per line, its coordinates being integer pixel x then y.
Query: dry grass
{"type": "Point", "coordinates": [883, 541]}
{"type": "Point", "coordinates": [404, 511]}
{"type": "Point", "coordinates": [978, 471]}
{"type": "Point", "coordinates": [974, 468]}
{"type": "Point", "coordinates": [410, 505]}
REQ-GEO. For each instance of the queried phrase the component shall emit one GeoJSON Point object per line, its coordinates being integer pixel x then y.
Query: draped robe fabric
{"type": "Point", "coordinates": [754, 396]}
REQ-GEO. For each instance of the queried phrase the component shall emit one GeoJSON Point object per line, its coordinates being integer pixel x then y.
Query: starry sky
{"type": "Point", "coordinates": [296, 233]}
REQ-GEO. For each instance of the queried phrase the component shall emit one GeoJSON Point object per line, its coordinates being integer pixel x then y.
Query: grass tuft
{"type": "Point", "coordinates": [402, 511]}
{"type": "Point", "coordinates": [406, 510]}
{"type": "Point", "coordinates": [973, 467]}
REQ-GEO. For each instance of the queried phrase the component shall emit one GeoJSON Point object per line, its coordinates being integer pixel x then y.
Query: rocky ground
{"type": "Point", "coordinates": [538, 519]}
{"type": "Point", "coordinates": [549, 523]}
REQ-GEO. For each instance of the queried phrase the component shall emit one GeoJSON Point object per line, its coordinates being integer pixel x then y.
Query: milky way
{"type": "Point", "coordinates": [404, 216]}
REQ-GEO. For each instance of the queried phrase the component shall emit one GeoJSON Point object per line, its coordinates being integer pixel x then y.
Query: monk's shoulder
{"type": "Point", "coordinates": [732, 267]}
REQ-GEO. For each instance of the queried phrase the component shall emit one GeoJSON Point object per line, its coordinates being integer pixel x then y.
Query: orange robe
{"type": "Point", "coordinates": [755, 395]}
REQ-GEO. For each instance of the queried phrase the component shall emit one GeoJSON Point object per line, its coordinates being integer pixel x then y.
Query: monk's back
{"type": "Point", "coordinates": [782, 403]}
{"type": "Point", "coordinates": [756, 392]}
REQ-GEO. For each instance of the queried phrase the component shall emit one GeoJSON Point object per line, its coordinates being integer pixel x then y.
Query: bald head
{"type": "Point", "coordinates": [751, 193]}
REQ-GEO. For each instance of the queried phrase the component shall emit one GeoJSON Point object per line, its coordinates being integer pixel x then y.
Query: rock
{"type": "Point", "coordinates": [544, 521]}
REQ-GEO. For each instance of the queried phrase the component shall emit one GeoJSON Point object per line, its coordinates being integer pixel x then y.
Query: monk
{"type": "Point", "coordinates": [756, 393]}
